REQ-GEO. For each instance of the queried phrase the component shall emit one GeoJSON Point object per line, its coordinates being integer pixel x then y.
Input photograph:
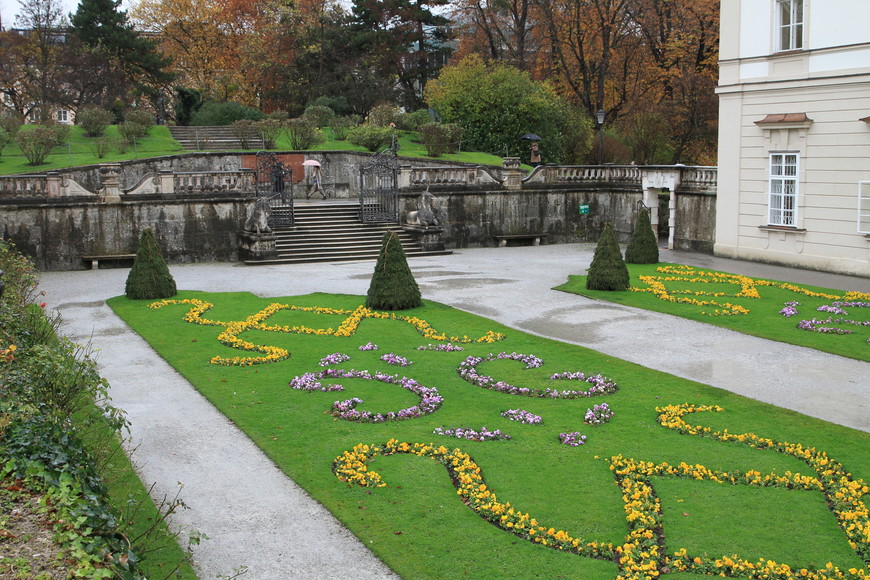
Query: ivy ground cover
{"type": "Point", "coordinates": [454, 447]}
{"type": "Point", "coordinates": [829, 320]}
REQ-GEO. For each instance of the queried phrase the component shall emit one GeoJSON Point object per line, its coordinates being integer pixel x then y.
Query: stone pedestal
{"type": "Point", "coordinates": [255, 247]}
{"type": "Point", "coordinates": [512, 175]}
{"type": "Point", "coordinates": [429, 237]}
{"type": "Point", "coordinates": [110, 175]}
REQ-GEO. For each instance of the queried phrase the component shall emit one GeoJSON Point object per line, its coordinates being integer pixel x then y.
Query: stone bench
{"type": "Point", "coordinates": [95, 260]}
{"type": "Point", "coordinates": [503, 240]}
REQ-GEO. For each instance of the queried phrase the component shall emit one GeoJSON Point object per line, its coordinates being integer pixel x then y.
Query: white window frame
{"type": "Point", "coordinates": [789, 33]}
{"type": "Point", "coordinates": [783, 188]}
{"type": "Point", "coordinates": [62, 116]}
{"type": "Point", "coordinates": [864, 207]}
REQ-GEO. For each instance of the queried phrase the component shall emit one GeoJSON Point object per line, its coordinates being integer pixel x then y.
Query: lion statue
{"type": "Point", "coordinates": [258, 221]}
{"type": "Point", "coordinates": [427, 213]}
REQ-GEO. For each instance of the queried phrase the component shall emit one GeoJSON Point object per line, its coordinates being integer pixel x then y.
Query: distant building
{"type": "Point", "coordinates": [794, 133]}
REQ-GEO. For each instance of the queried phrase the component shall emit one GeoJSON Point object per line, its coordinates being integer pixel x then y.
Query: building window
{"type": "Point", "coordinates": [62, 116]}
{"type": "Point", "coordinates": [790, 24]}
{"type": "Point", "coordinates": [782, 201]}
{"type": "Point", "coordinates": [864, 207]}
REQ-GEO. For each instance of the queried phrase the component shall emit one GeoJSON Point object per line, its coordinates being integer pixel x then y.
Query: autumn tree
{"type": "Point", "coordinates": [499, 30]}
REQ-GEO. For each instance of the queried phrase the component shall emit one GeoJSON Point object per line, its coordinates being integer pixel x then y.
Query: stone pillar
{"type": "Point", "coordinates": [654, 179]}
{"type": "Point", "coordinates": [512, 175]}
{"type": "Point", "coordinates": [53, 184]}
{"type": "Point", "coordinates": [254, 247]}
{"type": "Point", "coordinates": [110, 175]}
{"type": "Point", "coordinates": [167, 181]}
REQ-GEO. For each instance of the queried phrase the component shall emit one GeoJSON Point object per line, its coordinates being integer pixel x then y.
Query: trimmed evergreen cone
{"type": "Point", "coordinates": [149, 277]}
{"type": "Point", "coordinates": [608, 270]}
{"type": "Point", "coordinates": [643, 247]}
{"type": "Point", "coordinates": [393, 286]}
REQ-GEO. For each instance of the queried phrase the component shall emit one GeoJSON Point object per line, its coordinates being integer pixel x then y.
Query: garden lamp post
{"type": "Point", "coordinates": [599, 116]}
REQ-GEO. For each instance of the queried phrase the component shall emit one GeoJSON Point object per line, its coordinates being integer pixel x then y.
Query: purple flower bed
{"type": "Point", "coordinates": [483, 434]}
{"type": "Point", "coordinates": [468, 370]}
{"type": "Point", "coordinates": [310, 382]}
{"type": "Point", "coordinates": [430, 399]}
{"type": "Point", "coordinates": [790, 309]}
{"type": "Point", "coordinates": [334, 359]}
{"type": "Point", "coordinates": [522, 416]}
{"type": "Point", "coordinates": [824, 325]}
{"type": "Point", "coordinates": [369, 346]}
{"type": "Point", "coordinates": [448, 347]}
{"type": "Point", "coordinates": [598, 415]}
{"type": "Point", "coordinates": [395, 359]}
{"type": "Point", "coordinates": [573, 439]}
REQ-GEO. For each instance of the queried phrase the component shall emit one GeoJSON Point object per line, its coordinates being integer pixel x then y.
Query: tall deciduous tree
{"type": "Point", "coordinates": [502, 30]}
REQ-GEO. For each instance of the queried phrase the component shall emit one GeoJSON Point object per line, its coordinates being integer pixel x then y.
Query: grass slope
{"type": "Point", "coordinates": [419, 526]}
{"type": "Point", "coordinates": [763, 318]}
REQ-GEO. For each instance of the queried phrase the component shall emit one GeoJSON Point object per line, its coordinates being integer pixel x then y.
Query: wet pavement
{"type": "Point", "coordinates": [241, 501]}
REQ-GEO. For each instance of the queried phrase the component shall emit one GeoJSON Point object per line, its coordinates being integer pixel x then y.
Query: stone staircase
{"type": "Point", "coordinates": [210, 139]}
{"type": "Point", "coordinates": [331, 231]}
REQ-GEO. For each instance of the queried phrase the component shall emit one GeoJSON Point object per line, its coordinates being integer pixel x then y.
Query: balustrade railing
{"type": "Point", "coordinates": [24, 186]}
{"type": "Point", "coordinates": [211, 181]}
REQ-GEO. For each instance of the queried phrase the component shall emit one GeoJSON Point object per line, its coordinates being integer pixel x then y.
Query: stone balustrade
{"type": "Point", "coordinates": [463, 176]}
{"type": "Point", "coordinates": [241, 181]}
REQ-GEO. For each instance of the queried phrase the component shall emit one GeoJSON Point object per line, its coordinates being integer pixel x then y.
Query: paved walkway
{"type": "Point", "coordinates": [252, 512]}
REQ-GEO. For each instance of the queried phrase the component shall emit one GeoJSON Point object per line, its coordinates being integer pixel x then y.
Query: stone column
{"type": "Point", "coordinates": [512, 175]}
{"type": "Point", "coordinates": [110, 175]}
{"type": "Point", "coordinates": [654, 179]}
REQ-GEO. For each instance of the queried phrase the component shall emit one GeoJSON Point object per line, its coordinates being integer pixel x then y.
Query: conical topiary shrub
{"type": "Point", "coordinates": [607, 271]}
{"type": "Point", "coordinates": [393, 286]}
{"type": "Point", "coordinates": [643, 247]}
{"type": "Point", "coordinates": [149, 277]}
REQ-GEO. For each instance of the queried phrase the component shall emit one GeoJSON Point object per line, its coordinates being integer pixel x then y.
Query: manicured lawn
{"type": "Point", "coordinates": [80, 151]}
{"type": "Point", "coordinates": [763, 317]}
{"type": "Point", "coordinates": [423, 528]}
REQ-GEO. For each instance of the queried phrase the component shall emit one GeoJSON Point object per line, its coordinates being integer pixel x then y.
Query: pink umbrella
{"type": "Point", "coordinates": [311, 163]}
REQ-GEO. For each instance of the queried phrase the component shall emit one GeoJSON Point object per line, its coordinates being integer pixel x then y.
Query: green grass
{"type": "Point", "coordinates": [763, 318]}
{"type": "Point", "coordinates": [80, 151]}
{"type": "Point", "coordinates": [419, 526]}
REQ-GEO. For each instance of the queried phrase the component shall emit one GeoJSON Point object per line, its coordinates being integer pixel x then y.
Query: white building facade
{"type": "Point", "coordinates": [794, 133]}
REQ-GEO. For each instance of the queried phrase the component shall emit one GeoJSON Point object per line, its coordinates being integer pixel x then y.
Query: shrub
{"type": "Point", "coordinates": [383, 115]}
{"type": "Point", "coordinates": [94, 120]}
{"type": "Point", "coordinates": [5, 139]}
{"type": "Point", "coordinates": [36, 144]}
{"type": "Point", "coordinates": [643, 247]}
{"type": "Point", "coordinates": [371, 137]}
{"type": "Point", "coordinates": [142, 119]}
{"type": "Point", "coordinates": [269, 130]}
{"type": "Point", "coordinates": [100, 147]}
{"type": "Point", "coordinates": [214, 113]}
{"type": "Point", "coordinates": [440, 139]}
{"type": "Point", "coordinates": [60, 132]}
{"type": "Point", "coordinates": [414, 121]}
{"type": "Point", "coordinates": [339, 105]}
{"type": "Point", "coordinates": [10, 123]}
{"type": "Point", "coordinates": [149, 277]}
{"type": "Point", "coordinates": [187, 103]}
{"type": "Point", "coordinates": [608, 270]}
{"type": "Point", "coordinates": [319, 116]}
{"type": "Point", "coordinates": [121, 144]}
{"type": "Point", "coordinates": [246, 132]}
{"type": "Point", "coordinates": [130, 131]}
{"type": "Point", "coordinates": [393, 286]}
{"type": "Point", "coordinates": [303, 134]}
{"type": "Point", "coordinates": [341, 126]}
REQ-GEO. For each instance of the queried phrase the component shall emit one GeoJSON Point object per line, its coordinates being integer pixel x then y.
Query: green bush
{"type": "Point", "coordinates": [339, 105]}
{"type": "Point", "coordinates": [440, 139]}
{"type": "Point", "coordinates": [607, 270]}
{"type": "Point", "coordinates": [100, 147]}
{"type": "Point", "coordinates": [393, 286]}
{"type": "Point", "coordinates": [303, 134]}
{"type": "Point", "coordinates": [318, 116]}
{"type": "Point", "coordinates": [383, 116]}
{"type": "Point", "coordinates": [643, 248]}
{"type": "Point", "coordinates": [142, 119]}
{"type": "Point", "coordinates": [414, 121]}
{"type": "Point", "coordinates": [5, 139]}
{"type": "Point", "coordinates": [36, 143]}
{"type": "Point", "coordinates": [94, 120]}
{"type": "Point", "coordinates": [371, 137]}
{"type": "Point", "coordinates": [10, 122]}
{"type": "Point", "coordinates": [149, 277]}
{"type": "Point", "coordinates": [269, 130]}
{"type": "Point", "coordinates": [213, 113]}
{"type": "Point", "coordinates": [341, 126]}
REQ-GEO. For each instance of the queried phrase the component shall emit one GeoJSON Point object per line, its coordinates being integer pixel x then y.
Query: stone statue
{"type": "Point", "coordinates": [426, 214]}
{"type": "Point", "coordinates": [258, 222]}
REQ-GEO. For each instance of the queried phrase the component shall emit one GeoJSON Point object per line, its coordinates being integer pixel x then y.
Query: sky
{"type": "Point", "coordinates": [9, 8]}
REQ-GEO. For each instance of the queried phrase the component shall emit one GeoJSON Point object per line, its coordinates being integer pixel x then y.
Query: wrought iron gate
{"type": "Point", "coordinates": [379, 190]}
{"type": "Point", "coordinates": [275, 183]}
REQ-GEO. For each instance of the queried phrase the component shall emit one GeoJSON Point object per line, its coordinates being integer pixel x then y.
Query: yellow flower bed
{"type": "Point", "coordinates": [748, 289]}
{"type": "Point", "coordinates": [230, 336]}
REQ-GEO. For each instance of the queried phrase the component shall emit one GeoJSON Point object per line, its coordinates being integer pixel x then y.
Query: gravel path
{"type": "Point", "coordinates": [258, 518]}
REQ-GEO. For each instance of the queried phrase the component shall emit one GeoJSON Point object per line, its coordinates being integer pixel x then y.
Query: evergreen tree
{"type": "Point", "coordinates": [393, 286]}
{"type": "Point", "coordinates": [643, 247]}
{"type": "Point", "coordinates": [608, 270]}
{"type": "Point", "coordinates": [105, 30]}
{"type": "Point", "coordinates": [149, 277]}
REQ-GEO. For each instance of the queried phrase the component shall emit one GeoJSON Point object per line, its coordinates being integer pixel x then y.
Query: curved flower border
{"type": "Point", "coordinates": [430, 399]}
{"type": "Point", "coordinates": [230, 336]}
{"type": "Point", "coordinates": [748, 289]}
{"type": "Point", "coordinates": [822, 326]}
{"type": "Point", "coordinates": [600, 385]}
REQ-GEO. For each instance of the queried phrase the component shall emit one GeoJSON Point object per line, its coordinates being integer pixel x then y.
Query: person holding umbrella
{"type": "Point", "coordinates": [316, 178]}
{"type": "Point", "coordinates": [535, 153]}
